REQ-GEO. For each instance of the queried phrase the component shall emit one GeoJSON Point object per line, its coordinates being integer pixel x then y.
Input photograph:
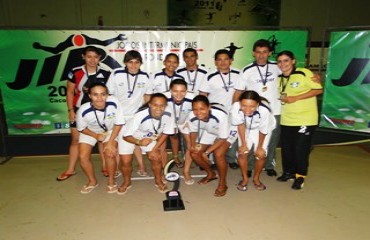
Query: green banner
{"type": "Point", "coordinates": [35, 63]}
{"type": "Point", "coordinates": [346, 102]}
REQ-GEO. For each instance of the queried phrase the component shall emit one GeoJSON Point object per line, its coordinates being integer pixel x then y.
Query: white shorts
{"type": "Point", "coordinates": [252, 140]}
{"type": "Point", "coordinates": [84, 138]}
{"type": "Point", "coordinates": [184, 128]}
{"type": "Point", "coordinates": [209, 139]}
{"type": "Point", "coordinates": [127, 148]}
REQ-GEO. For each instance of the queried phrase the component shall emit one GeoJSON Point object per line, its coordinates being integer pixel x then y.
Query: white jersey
{"type": "Point", "coordinates": [161, 82]}
{"type": "Point", "coordinates": [262, 119]}
{"type": "Point", "coordinates": [193, 78]}
{"type": "Point", "coordinates": [100, 121]}
{"type": "Point", "coordinates": [217, 124]}
{"type": "Point", "coordinates": [143, 125]}
{"type": "Point", "coordinates": [180, 111]}
{"type": "Point", "coordinates": [220, 87]}
{"type": "Point", "coordinates": [264, 81]}
{"type": "Point", "coordinates": [129, 89]}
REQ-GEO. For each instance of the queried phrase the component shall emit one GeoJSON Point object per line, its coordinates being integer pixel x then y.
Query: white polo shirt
{"type": "Point", "coordinates": [264, 81]}
{"type": "Point", "coordinates": [220, 87]}
{"type": "Point", "coordinates": [129, 89]}
{"type": "Point", "coordinates": [180, 111]}
{"type": "Point", "coordinates": [217, 124]}
{"type": "Point", "coordinates": [161, 81]}
{"type": "Point", "coordinates": [100, 121]}
{"type": "Point", "coordinates": [193, 78]}
{"type": "Point", "coordinates": [262, 119]}
{"type": "Point", "coordinates": [143, 125]}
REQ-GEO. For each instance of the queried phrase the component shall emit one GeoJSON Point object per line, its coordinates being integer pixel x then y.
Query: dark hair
{"type": "Point", "coordinates": [252, 95]}
{"type": "Point", "coordinates": [190, 50]}
{"type": "Point", "coordinates": [201, 98]}
{"type": "Point", "coordinates": [157, 95]}
{"type": "Point", "coordinates": [97, 84]}
{"type": "Point", "coordinates": [172, 55]}
{"type": "Point", "coordinates": [222, 51]}
{"type": "Point", "coordinates": [132, 54]}
{"type": "Point", "coordinates": [178, 81]}
{"type": "Point", "coordinates": [91, 49]}
{"type": "Point", "coordinates": [262, 43]}
{"type": "Point", "coordinates": [288, 53]}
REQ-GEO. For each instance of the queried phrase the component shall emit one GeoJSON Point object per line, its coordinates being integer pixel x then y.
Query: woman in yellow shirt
{"type": "Point", "coordinates": [299, 117]}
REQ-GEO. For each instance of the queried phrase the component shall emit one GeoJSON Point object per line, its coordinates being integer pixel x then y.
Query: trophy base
{"type": "Point", "coordinates": [173, 202]}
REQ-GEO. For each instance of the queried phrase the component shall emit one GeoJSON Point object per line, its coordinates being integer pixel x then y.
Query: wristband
{"type": "Point", "coordinates": [138, 142]}
{"type": "Point", "coordinates": [71, 109]}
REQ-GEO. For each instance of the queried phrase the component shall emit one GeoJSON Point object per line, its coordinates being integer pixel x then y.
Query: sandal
{"type": "Point", "coordinates": [242, 187]}
{"type": "Point", "coordinates": [162, 189]}
{"type": "Point", "coordinates": [105, 172]}
{"type": "Point", "coordinates": [142, 173]}
{"type": "Point", "coordinates": [88, 189]}
{"type": "Point", "coordinates": [119, 192]}
{"type": "Point", "coordinates": [112, 189]}
{"type": "Point", "coordinates": [189, 181]}
{"type": "Point", "coordinates": [259, 187]}
{"type": "Point", "coordinates": [65, 176]}
{"type": "Point", "coordinates": [206, 180]}
{"type": "Point", "coordinates": [220, 192]}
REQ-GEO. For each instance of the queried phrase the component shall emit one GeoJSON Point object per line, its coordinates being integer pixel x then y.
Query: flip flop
{"type": "Point", "coordinates": [220, 192]}
{"type": "Point", "coordinates": [123, 192]}
{"type": "Point", "coordinates": [142, 173]}
{"type": "Point", "coordinates": [189, 181]}
{"type": "Point", "coordinates": [259, 187]}
{"type": "Point", "coordinates": [206, 180]}
{"type": "Point", "coordinates": [242, 187]}
{"type": "Point", "coordinates": [112, 189]}
{"type": "Point", "coordinates": [88, 189]}
{"type": "Point", "coordinates": [65, 176]}
{"type": "Point", "coordinates": [162, 189]}
{"type": "Point", "coordinates": [179, 164]}
{"type": "Point", "coordinates": [105, 172]}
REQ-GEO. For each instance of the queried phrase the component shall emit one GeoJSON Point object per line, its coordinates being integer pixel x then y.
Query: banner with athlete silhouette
{"type": "Point", "coordinates": [35, 63]}
{"type": "Point", "coordinates": [346, 101]}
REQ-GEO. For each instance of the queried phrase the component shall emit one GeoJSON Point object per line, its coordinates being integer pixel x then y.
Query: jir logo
{"type": "Point", "coordinates": [352, 72]}
{"type": "Point", "coordinates": [27, 67]}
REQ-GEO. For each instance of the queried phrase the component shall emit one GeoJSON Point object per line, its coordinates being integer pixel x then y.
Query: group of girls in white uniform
{"type": "Point", "coordinates": [208, 128]}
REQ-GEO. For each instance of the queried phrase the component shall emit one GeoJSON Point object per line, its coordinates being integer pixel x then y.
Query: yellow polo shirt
{"type": "Point", "coordinates": [303, 112]}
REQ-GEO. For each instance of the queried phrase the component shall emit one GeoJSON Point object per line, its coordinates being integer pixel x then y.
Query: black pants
{"type": "Point", "coordinates": [296, 144]}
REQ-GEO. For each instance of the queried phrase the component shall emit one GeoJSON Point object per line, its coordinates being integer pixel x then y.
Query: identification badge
{"type": "Point", "coordinates": [283, 95]}
{"type": "Point", "coordinates": [154, 137]}
{"type": "Point", "coordinates": [264, 88]}
{"type": "Point", "coordinates": [198, 146]}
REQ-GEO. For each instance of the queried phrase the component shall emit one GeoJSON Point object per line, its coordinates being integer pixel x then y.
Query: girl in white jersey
{"type": "Point", "coordinates": [99, 121]}
{"type": "Point", "coordinates": [209, 131]}
{"type": "Point", "coordinates": [148, 129]}
{"type": "Point", "coordinates": [255, 123]}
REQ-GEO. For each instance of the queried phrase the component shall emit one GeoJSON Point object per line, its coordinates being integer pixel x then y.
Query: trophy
{"type": "Point", "coordinates": [174, 201]}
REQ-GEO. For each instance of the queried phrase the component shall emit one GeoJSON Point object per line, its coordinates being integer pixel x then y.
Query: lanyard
{"type": "Point", "coordinates": [130, 92]}
{"type": "Point", "coordinates": [199, 133]}
{"type": "Point", "coordinates": [282, 85]}
{"type": "Point", "coordinates": [165, 79]}
{"type": "Point", "coordinates": [264, 81]}
{"type": "Point", "coordinates": [250, 125]}
{"type": "Point", "coordinates": [159, 125]}
{"type": "Point", "coordinates": [101, 124]}
{"type": "Point", "coordinates": [174, 112]}
{"type": "Point", "coordinates": [195, 78]}
{"type": "Point", "coordinates": [226, 87]}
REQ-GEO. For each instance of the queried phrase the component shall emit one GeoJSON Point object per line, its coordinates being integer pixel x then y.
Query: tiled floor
{"type": "Point", "coordinates": [334, 204]}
